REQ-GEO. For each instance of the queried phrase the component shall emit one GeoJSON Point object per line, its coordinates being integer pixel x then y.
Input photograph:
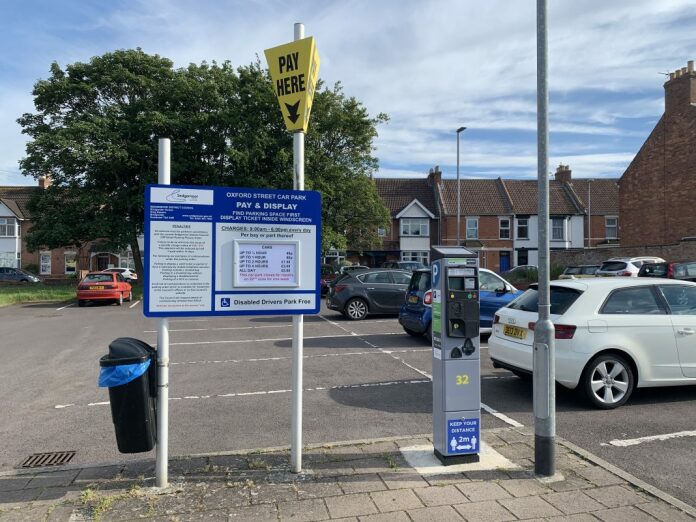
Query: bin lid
{"type": "Point", "coordinates": [126, 350]}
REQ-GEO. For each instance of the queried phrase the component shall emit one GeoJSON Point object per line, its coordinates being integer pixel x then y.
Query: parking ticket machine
{"type": "Point", "coordinates": [456, 355]}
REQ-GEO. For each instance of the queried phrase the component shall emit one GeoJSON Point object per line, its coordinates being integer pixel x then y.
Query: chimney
{"type": "Point", "coordinates": [45, 181]}
{"type": "Point", "coordinates": [435, 175]}
{"type": "Point", "coordinates": [680, 90]}
{"type": "Point", "coordinates": [563, 174]}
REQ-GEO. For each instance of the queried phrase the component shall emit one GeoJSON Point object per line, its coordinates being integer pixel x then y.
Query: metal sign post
{"type": "Point", "coordinates": [162, 458]}
{"type": "Point", "coordinates": [298, 139]}
{"type": "Point", "coordinates": [544, 356]}
{"type": "Point", "coordinates": [294, 69]}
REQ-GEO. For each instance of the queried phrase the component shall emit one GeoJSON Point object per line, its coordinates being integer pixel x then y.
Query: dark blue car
{"type": "Point", "coordinates": [416, 312]}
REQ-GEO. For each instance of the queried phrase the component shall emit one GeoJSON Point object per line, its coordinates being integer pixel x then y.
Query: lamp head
{"type": "Point", "coordinates": [460, 129]}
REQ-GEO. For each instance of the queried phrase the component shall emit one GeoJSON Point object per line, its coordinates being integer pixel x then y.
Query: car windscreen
{"type": "Point", "coordinates": [612, 266]}
{"type": "Point", "coordinates": [653, 270]}
{"type": "Point", "coordinates": [590, 270]}
{"type": "Point", "coordinates": [561, 300]}
{"type": "Point", "coordinates": [573, 270]}
{"type": "Point", "coordinates": [420, 282]}
{"type": "Point", "coordinates": [99, 278]}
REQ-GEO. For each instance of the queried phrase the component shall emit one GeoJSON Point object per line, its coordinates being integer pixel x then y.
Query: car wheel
{"type": "Point", "coordinates": [608, 381]}
{"type": "Point", "coordinates": [120, 299]}
{"type": "Point", "coordinates": [356, 309]}
{"type": "Point", "coordinates": [413, 332]}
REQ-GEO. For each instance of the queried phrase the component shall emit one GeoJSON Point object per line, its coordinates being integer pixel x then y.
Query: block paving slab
{"type": "Point", "coordinates": [366, 481]}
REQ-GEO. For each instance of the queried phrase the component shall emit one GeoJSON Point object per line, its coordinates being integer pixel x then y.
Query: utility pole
{"type": "Point", "coordinates": [459, 193]}
{"type": "Point", "coordinates": [544, 370]}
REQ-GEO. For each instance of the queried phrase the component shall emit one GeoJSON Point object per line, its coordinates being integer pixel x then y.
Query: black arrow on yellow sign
{"type": "Point", "coordinates": [292, 111]}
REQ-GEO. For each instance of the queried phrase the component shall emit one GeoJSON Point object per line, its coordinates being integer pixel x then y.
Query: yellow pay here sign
{"type": "Point", "coordinates": [294, 70]}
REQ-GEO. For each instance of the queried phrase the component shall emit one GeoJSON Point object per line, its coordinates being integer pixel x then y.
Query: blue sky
{"type": "Point", "coordinates": [432, 66]}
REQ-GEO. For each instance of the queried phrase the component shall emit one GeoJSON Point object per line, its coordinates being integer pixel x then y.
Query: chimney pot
{"type": "Point", "coordinates": [690, 66]}
{"type": "Point", "coordinates": [563, 173]}
{"type": "Point", "coordinates": [683, 70]}
{"type": "Point", "coordinates": [45, 181]}
{"type": "Point", "coordinates": [672, 76]}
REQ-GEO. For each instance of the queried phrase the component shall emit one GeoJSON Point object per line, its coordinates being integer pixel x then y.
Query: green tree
{"type": "Point", "coordinates": [95, 132]}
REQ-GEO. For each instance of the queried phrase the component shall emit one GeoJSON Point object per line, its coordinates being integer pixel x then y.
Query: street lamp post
{"type": "Point", "coordinates": [459, 194]}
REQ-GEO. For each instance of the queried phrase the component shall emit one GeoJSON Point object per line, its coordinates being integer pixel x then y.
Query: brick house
{"type": "Point", "coordinates": [415, 221]}
{"type": "Point", "coordinates": [499, 217]}
{"type": "Point", "coordinates": [657, 189]}
{"type": "Point", "coordinates": [600, 199]}
{"type": "Point", "coordinates": [486, 220]}
{"type": "Point", "coordinates": [15, 222]}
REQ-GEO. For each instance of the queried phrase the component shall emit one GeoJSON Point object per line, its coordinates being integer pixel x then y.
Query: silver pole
{"type": "Point", "coordinates": [459, 191]}
{"type": "Point", "coordinates": [298, 140]}
{"type": "Point", "coordinates": [544, 359]}
{"type": "Point", "coordinates": [162, 457]}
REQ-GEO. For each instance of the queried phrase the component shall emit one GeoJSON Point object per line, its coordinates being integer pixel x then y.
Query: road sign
{"type": "Point", "coordinates": [231, 251]}
{"type": "Point", "coordinates": [294, 70]}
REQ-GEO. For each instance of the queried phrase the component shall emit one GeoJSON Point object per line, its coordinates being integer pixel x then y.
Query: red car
{"type": "Point", "coordinates": [103, 286]}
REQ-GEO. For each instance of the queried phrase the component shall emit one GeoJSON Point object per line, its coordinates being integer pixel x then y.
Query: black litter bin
{"type": "Point", "coordinates": [130, 373]}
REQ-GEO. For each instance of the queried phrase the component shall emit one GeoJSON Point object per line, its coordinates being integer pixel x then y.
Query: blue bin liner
{"type": "Point", "coordinates": [111, 376]}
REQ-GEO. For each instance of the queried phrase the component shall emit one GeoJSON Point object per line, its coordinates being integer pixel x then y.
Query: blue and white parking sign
{"type": "Point", "coordinates": [231, 251]}
{"type": "Point", "coordinates": [463, 436]}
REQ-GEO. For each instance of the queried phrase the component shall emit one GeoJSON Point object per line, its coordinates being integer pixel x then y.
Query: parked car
{"type": "Point", "coordinates": [682, 271]}
{"type": "Point", "coordinates": [351, 268]}
{"type": "Point", "coordinates": [522, 276]}
{"type": "Point", "coordinates": [328, 274]}
{"type": "Point", "coordinates": [404, 265]}
{"type": "Point", "coordinates": [625, 266]}
{"type": "Point", "coordinates": [579, 271]}
{"type": "Point", "coordinates": [372, 291]}
{"type": "Point", "coordinates": [15, 275]}
{"type": "Point", "coordinates": [415, 315]}
{"type": "Point", "coordinates": [611, 335]}
{"type": "Point", "coordinates": [103, 286]}
{"type": "Point", "coordinates": [128, 274]}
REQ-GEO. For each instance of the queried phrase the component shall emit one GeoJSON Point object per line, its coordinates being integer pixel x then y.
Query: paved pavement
{"type": "Point", "coordinates": [356, 482]}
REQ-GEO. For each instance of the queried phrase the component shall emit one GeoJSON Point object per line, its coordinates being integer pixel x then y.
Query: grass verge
{"type": "Point", "coordinates": [18, 294]}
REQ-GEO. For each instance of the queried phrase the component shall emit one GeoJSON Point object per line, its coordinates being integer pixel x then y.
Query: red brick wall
{"type": "Point", "coordinates": [656, 195]}
{"type": "Point", "coordinates": [598, 230]}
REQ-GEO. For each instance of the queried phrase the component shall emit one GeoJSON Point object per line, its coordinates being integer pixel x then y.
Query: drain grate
{"type": "Point", "coordinates": [42, 460]}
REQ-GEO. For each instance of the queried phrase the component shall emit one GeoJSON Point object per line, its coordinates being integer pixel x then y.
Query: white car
{"type": "Point", "coordinates": [625, 266]}
{"type": "Point", "coordinates": [127, 273]}
{"type": "Point", "coordinates": [612, 335]}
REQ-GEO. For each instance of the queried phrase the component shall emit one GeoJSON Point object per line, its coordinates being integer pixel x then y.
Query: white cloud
{"type": "Point", "coordinates": [431, 65]}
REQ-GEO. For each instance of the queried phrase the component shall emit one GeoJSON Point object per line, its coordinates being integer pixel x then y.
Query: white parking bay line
{"type": "Point", "coordinates": [271, 392]}
{"type": "Point", "coordinates": [134, 304]}
{"type": "Point", "coordinates": [235, 341]}
{"type": "Point", "coordinates": [650, 438]}
{"type": "Point", "coordinates": [66, 306]}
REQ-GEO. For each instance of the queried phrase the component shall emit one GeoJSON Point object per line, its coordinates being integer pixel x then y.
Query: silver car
{"type": "Point", "coordinates": [625, 266]}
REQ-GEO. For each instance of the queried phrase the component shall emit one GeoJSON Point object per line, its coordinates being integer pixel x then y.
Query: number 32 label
{"type": "Point", "coordinates": [462, 379]}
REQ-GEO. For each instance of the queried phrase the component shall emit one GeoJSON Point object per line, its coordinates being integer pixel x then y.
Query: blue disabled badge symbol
{"type": "Point", "coordinates": [463, 436]}
{"type": "Point", "coordinates": [225, 302]}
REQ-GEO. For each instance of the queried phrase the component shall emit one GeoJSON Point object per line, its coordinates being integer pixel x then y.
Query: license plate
{"type": "Point", "coordinates": [96, 288]}
{"type": "Point", "coordinates": [514, 331]}
{"type": "Point", "coordinates": [413, 299]}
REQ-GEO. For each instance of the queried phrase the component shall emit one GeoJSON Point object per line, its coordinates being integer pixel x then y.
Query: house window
{"type": "Point", "coordinates": [70, 263]}
{"type": "Point", "coordinates": [45, 263]}
{"type": "Point", "coordinates": [504, 227]}
{"type": "Point", "coordinates": [472, 228]}
{"type": "Point", "coordinates": [8, 227]}
{"type": "Point", "coordinates": [522, 228]}
{"type": "Point", "coordinates": [125, 260]}
{"type": "Point", "coordinates": [415, 227]}
{"type": "Point", "coordinates": [420, 256]}
{"type": "Point", "coordinates": [382, 232]}
{"type": "Point", "coordinates": [557, 229]}
{"type": "Point", "coordinates": [611, 225]}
